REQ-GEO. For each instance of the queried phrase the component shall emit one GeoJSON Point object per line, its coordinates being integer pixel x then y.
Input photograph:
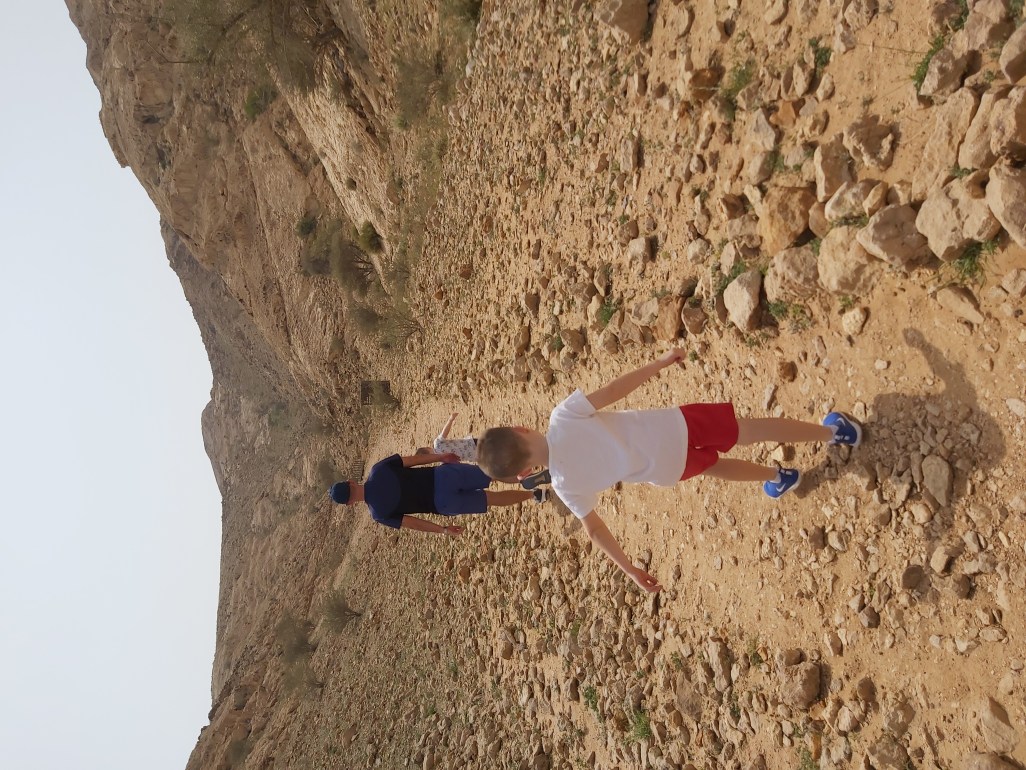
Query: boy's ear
{"type": "Point", "coordinates": [519, 429]}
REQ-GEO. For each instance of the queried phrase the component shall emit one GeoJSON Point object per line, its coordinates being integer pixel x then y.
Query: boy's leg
{"type": "Point", "coordinates": [730, 469]}
{"type": "Point", "coordinates": [780, 430]}
{"type": "Point", "coordinates": [507, 496]}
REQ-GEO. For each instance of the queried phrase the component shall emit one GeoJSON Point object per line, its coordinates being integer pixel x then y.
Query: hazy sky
{"type": "Point", "coordinates": [111, 518]}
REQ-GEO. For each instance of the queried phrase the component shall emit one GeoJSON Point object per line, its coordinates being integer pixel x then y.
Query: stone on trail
{"type": "Point", "coordinates": [1006, 196]}
{"type": "Point", "coordinates": [851, 198]}
{"type": "Point", "coordinates": [887, 754]}
{"type": "Point", "coordinates": [783, 216]}
{"type": "Point", "coordinates": [742, 300]}
{"type": "Point", "coordinates": [1013, 56]}
{"type": "Point", "coordinates": [937, 478]}
{"type": "Point", "coordinates": [845, 267]}
{"type": "Point", "coordinates": [853, 321]}
{"type": "Point", "coordinates": [891, 235]}
{"type": "Point", "coordinates": [799, 684]}
{"type": "Point", "coordinates": [629, 16]}
{"type": "Point", "coordinates": [960, 301]}
{"type": "Point", "coordinates": [956, 215]}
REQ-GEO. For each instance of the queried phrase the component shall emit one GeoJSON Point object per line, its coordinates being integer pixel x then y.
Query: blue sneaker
{"type": "Point", "coordinates": [787, 479]}
{"type": "Point", "coordinates": [846, 430]}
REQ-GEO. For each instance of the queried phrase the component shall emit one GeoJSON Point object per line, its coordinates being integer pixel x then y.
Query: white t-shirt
{"type": "Point", "coordinates": [590, 451]}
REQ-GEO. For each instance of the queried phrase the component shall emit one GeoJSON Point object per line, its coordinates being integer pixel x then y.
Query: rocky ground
{"type": "Point", "coordinates": [775, 188]}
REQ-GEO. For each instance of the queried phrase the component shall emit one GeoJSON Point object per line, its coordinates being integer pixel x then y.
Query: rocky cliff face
{"type": "Point", "coordinates": [230, 188]}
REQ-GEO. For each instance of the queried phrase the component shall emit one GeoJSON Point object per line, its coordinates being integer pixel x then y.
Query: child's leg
{"type": "Point", "coordinates": [780, 430]}
{"type": "Point", "coordinates": [730, 469]}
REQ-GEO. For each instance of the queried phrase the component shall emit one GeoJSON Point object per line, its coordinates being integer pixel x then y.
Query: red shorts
{"type": "Point", "coordinates": [712, 428]}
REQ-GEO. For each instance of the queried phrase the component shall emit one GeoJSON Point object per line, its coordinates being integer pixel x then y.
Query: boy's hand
{"type": "Point", "coordinates": [450, 457]}
{"type": "Point", "coordinates": [647, 583]}
{"type": "Point", "coordinates": [675, 356]}
{"type": "Point", "coordinates": [452, 530]}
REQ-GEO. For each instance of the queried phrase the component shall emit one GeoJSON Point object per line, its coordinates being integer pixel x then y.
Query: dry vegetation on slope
{"type": "Point", "coordinates": [821, 201]}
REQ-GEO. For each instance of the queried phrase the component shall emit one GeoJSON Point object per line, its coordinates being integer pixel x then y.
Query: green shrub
{"type": "Point", "coordinates": [337, 612]}
{"type": "Point", "coordinates": [738, 77]}
{"type": "Point", "coordinates": [641, 727]}
{"type": "Point", "coordinates": [306, 225]}
{"type": "Point", "coordinates": [368, 238]}
{"type": "Point", "coordinates": [258, 100]}
{"type": "Point", "coordinates": [607, 311]}
{"type": "Point", "coordinates": [969, 268]}
{"type": "Point", "coordinates": [294, 637]}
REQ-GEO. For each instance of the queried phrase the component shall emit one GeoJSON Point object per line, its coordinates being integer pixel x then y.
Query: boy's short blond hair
{"type": "Point", "coordinates": [502, 452]}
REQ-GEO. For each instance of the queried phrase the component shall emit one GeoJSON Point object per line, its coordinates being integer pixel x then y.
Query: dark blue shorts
{"type": "Point", "coordinates": [459, 488]}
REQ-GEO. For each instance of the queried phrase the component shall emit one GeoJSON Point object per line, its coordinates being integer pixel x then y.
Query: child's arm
{"type": "Point", "coordinates": [621, 386]}
{"type": "Point", "coordinates": [429, 457]}
{"type": "Point", "coordinates": [448, 426]}
{"type": "Point", "coordinates": [603, 538]}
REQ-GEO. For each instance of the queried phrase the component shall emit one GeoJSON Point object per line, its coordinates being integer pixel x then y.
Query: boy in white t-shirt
{"type": "Point", "coordinates": [587, 450]}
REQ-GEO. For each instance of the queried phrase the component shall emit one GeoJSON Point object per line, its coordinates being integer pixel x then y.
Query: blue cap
{"type": "Point", "coordinates": [339, 492]}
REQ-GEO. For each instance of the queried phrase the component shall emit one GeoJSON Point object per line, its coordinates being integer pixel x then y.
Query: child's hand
{"type": "Point", "coordinates": [645, 581]}
{"type": "Point", "coordinates": [452, 530]}
{"type": "Point", "coordinates": [450, 457]}
{"type": "Point", "coordinates": [675, 356]}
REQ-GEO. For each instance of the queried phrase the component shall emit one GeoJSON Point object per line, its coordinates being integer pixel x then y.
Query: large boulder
{"type": "Point", "coordinates": [957, 215]}
{"type": "Point", "coordinates": [940, 154]}
{"type": "Point", "coordinates": [986, 762]}
{"type": "Point", "coordinates": [844, 266]}
{"type": "Point", "coordinates": [783, 216]}
{"type": "Point", "coordinates": [1006, 196]}
{"type": "Point", "coordinates": [742, 300]}
{"type": "Point", "coordinates": [1008, 125]}
{"type": "Point", "coordinates": [1013, 56]}
{"type": "Point", "coordinates": [891, 235]}
{"type": "Point", "coordinates": [975, 151]}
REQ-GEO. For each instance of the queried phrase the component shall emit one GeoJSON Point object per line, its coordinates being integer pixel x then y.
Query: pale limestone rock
{"type": "Point", "coordinates": [783, 216]}
{"type": "Point", "coordinates": [887, 754]}
{"type": "Point", "coordinates": [1013, 56]}
{"type": "Point", "coordinates": [844, 265]}
{"type": "Point", "coordinates": [776, 11]}
{"type": "Point", "coordinates": [997, 731]}
{"type": "Point", "coordinates": [859, 13]}
{"type": "Point", "coordinates": [742, 300]}
{"type": "Point", "coordinates": [956, 215]}
{"type": "Point", "coordinates": [629, 16]}
{"type": "Point", "coordinates": [891, 235]}
{"type": "Point", "coordinates": [986, 26]}
{"type": "Point", "coordinates": [937, 478]}
{"type": "Point", "coordinates": [799, 684]}
{"type": "Point", "coordinates": [667, 323]}
{"type": "Point", "coordinates": [944, 73]}
{"type": "Point", "coordinates": [832, 164]}
{"type": "Point", "coordinates": [975, 152]}
{"type": "Point", "coordinates": [792, 273]}
{"type": "Point", "coordinates": [1006, 196]}
{"type": "Point", "coordinates": [854, 320]}
{"type": "Point", "coordinates": [986, 762]}
{"type": "Point", "coordinates": [950, 123]}
{"type": "Point", "coordinates": [871, 142]}
{"type": "Point", "coordinates": [849, 200]}
{"type": "Point", "coordinates": [961, 302]}
{"type": "Point", "coordinates": [1008, 125]}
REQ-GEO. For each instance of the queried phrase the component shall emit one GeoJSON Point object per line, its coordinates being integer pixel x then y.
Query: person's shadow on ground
{"type": "Point", "coordinates": [907, 435]}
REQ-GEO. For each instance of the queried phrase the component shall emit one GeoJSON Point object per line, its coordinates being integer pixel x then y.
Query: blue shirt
{"type": "Point", "coordinates": [392, 490]}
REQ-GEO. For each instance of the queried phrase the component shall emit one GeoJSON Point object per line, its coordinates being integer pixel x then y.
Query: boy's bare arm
{"type": "Point", "coordinates": [625, 384]}
{"type": "Point", "coordinates": [603, 538]}
{"type": "Point", "coordinates": [428, 458]}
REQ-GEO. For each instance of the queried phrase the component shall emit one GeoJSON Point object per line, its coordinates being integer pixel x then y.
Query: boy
{"type": "Point", "coordinates": [587, 450]}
